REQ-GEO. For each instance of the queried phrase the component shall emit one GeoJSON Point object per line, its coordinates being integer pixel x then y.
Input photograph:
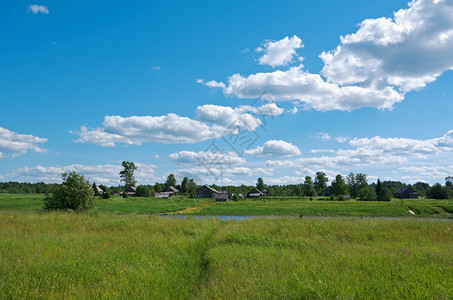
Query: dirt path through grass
{"type": "Point", "coordinates": [192, 210]}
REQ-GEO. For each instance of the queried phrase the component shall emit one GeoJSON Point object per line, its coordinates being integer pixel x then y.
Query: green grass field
{"type": "Point", "coordinates": [106, 256]}
{"type": "Point", "coordinates": [394, 208]}
{"type": "Point", "coordinates": [261, 207]}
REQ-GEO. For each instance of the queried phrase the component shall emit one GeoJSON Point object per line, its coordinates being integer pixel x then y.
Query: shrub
{"type": "Point", "coordinates": [367, 194]}
{"type": "Point", "coordinates": [143, 191]}
{"type": "Point", "coordinates": [74, 193]}
{"type": "Point", "coordinates": [125, 194]}
{"type": "Point", "coordinates": [341, 198]}
{"type": "Point", "coordinates": [106, 195]}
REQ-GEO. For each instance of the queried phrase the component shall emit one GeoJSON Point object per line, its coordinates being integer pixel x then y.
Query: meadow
{"type": "Point", "coordinates": [63, 255]}
{"type": "Point", "coordinates": [261, 207]}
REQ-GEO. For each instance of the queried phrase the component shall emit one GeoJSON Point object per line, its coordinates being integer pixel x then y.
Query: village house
{"type": "Point", "coordinates": [131, 191]}
{"type": "Point", "coordinates": [209, 192]}
{"type": "Point", "coordinates": [406, 192]}
{"type": "Point", "coordinates": [256, 193]}
{"type": "Point", "coordinates": [167, 193]}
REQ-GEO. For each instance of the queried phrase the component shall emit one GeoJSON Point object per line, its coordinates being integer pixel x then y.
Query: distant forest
{"type": "Point", "coordinates": [354, 185]}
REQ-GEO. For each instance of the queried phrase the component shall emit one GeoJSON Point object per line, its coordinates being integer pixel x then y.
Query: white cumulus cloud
{"type": "Point", "coordinates": [280, 53]}
{"type": "Point", "coordinates": [275, 148]}
{"type": "Point", "coordinates": [206, 158]}
{"type": "Point", "coordinates": [15, 144]}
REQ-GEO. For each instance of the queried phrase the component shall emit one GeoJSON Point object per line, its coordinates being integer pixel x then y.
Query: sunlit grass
{"type": "Point", "coordinates": [106, 256]}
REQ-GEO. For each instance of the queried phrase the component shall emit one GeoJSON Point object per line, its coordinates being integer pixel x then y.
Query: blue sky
{"type": "Point", "coordinates": [226, 92]}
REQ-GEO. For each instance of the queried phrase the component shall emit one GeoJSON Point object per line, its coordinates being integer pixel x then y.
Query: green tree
{"type": "Point", "coordinates": [171, 180]}
{"type": "Point", "coordinates": [192, 188]}
{"type": "Point", "coordinates": [438, 191]}
{"type": "Point", "coordinates": [384, 195]}
{"type": "Point", "coordinates": [95, 189]}
{"type": "Point", "coordinates": [320, 183]}
{"type": "Point", "coordinates": [74, 193]}
{"type": "Point", "coordinates": [157, 187]}
{"type": "Point", "coordinates": [367, 193]}
{"type": "Point", "coordinates": [352, 185]}
{"type": "Point", "coordinates": [260, 184]}
{"type": "Point", "coordinates": [378, 188]}
{"type": "Point", "coordinates": [185, 185]}
{"type": "Point", "coordinates": [308, 187]}
{"type": "Point", "coordinates": [449, 181]}
{"type": "Point", "coordinates": [143, 191]}
{"type": "Point", "coordinates": [339, 186]}
{"type": "Point", "coordinates": [127, 174]}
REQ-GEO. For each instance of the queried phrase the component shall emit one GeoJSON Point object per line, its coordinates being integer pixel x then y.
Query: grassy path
{"type": "Point", "coordinates": [193, 210]}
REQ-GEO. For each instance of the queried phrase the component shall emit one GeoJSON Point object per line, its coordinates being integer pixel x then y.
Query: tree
{"type": "Point", "coordinates": [143, 191]}
{"type": "Point", "coordinates": [95, 189]}
{"type": "Point", "coordinates": [171, 180]}
{"type": "Point", "coordinates": [157, 187]}
{"type": "Point", "coordinates": [449, 181]}
{"type": "Point", "coordinates": [308, 188]}
{"type": "Point", "coordinates": [352, 185]}
{"type": "Point", "coordinates": [192, 188]}
{"type": "Point", "coordinates": [339, 186]}
{"type": "Point", "coordinates": [378, 188]}
{"type": "Point", "coordinates": [438, 191]}
{"type": "Point", "coordinates": [367, 193]}
{"type": "Point", "coordinates": [260, 184]}
{"type": "Point", "coordinates": [74, 193]}
{"type": "Point", "coordinates": [185, 185]}
{"type": "Point", "coordinates": [127, 174]}
{"type": "Point", "coordinates": [320, 183]}
{"type": "Point", "coordinates": [384, 195]}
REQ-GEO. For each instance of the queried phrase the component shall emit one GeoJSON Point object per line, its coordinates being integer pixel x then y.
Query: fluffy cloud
{"type": "Point", "coordinates": [15, 144]}
{"type": "Point", "coordinates": [206, 158]}
{"type": "Point", "coordinates": [280, 53]}
{"type": "Point", "coordinates": [102, 174]}
{"type": "Point", "coordinates": [297, 85]}
{"type": "Point", "coordinates": [36, 9]}
{"type": "Point", "coordinates": [373, 67]}
{"type": "Point", "coordinates": [407, 51]}
{"type": "Point", "coordinates": [275, 149]}
{"type": "Point", "coordinates": [214, 121]}
{"type": "Point", "coordinates": [375, 151]}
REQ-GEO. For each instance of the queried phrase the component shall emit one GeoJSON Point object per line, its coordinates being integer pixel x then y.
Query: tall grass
{"type": "Point", "coordinates": [105, 256]}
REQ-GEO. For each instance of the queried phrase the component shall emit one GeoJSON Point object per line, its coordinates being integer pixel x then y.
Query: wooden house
{"type": "Point", "coordinates": [255, 193]}
{"type": "Point", "coordinates": [406, 192]}
{"type": "Point", "coordinates": [209, 192]}
{"type": "Point", "coordinates": [131, 191]}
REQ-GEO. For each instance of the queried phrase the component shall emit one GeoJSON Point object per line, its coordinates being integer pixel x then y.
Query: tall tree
{"type": "Point", "coordinates": [449, 181]}
{"type": "Point", "coordinates": [320, 183]}
{"type": "Point", "coordinates": [309, 189]}
{"type": "Point", "coordinates": [352, 184]}
{"type": "Point", "coordinates": [127, 174]}
{"type": "Point", "coordinates": [171, 180]}
{"type": "Point", "coordinates": [378, 188]}
{"type": "Point", "coordinates": [185, 185]}
{"type": "Point", "coordinates": [339, 186]}
{"type": "Point", "coordinates": [192, 188]}
{"type": "Point", "coordinates": [260, 184]}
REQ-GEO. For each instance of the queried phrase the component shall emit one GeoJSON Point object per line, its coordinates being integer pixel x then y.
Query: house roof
{"type": "Point", "coordinates": [212, 189]}
{"type": "Point", "coordinates": [404, 190]}
{"type": "Point", "coordinates": [172, 189]}
{"type": "Point", "coordinates": [256, 191]}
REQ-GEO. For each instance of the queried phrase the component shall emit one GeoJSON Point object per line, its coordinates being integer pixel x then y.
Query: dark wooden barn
{"type": "Point", "coordinates": [406, 192]}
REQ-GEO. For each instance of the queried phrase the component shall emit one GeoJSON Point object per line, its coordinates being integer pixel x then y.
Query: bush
{"type": "Point", "coordinates": [367, 194]}
{"type": "Point", "coordinates": [143, 191]}
{"type": "Point", "coordinates": [74, 193]}
{"type": "Point", "coordinates": [106, 195]}
{"type": "Point", "coordinates": [341, 198]}
{"type": "Point", "coordinates": [125, 195]}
